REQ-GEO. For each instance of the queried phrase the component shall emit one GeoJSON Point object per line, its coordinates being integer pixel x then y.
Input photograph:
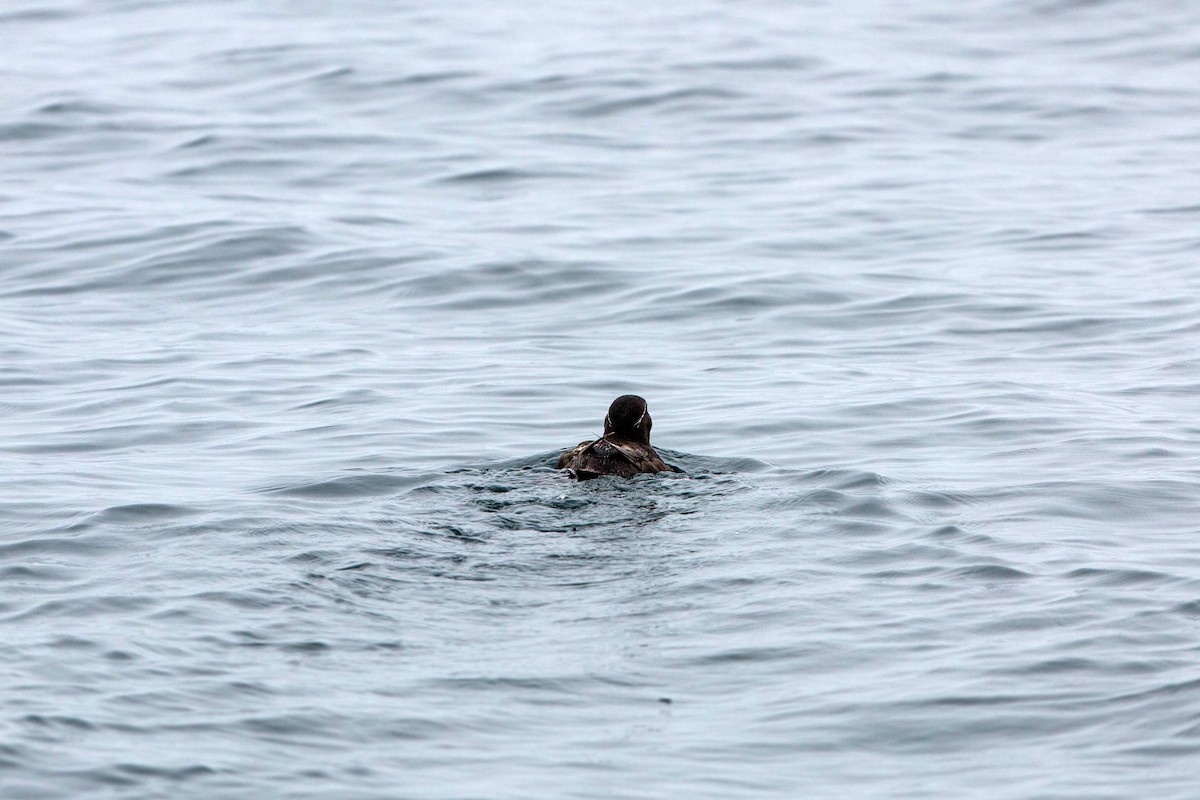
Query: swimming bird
{"type": "Point", "coordinates": [624, 449]}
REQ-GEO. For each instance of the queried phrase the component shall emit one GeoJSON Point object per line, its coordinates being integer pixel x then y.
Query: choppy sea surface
{"type": "Point", "coordinates": [299, 301]}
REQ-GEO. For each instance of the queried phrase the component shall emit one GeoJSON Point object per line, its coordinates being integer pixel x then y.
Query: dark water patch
{"type": "Point", "coordinates": [76, 107]}
{"type": "Point", "coordinates": [73, 643]}
{"type": "Point", "coordinates": [747, 657]}
{"type": "Point", "coordinates": [372, 221]}
{"type": "Point", "coordinates": [168, 773]}
{"type": "Point", "coordinates": [939, 500]}
{"type": "Point", "coordinates": [56, 721]}
{"type": "Point", "coordinates": [1062, 665]}
{"type": "Point", "coordinates": [134, 775]}
{"type": "Point", "coordinates": [562, 686]}
{"type": "Point", "coordinates": [1021, 134]}
{"type": "Point", "coordinates": [991, 572]}
{"type": "Point", "coordinates": [869, 508]}
{"type": "Point", "coordinates": [245, 169]}
{"type": "Point", "coordinates": [31, 131]}
{"type": "Point", "coordinates": [142, 512]}
{"type": "Point", "coordinates": [1051, 8]}
{"type": "Point", "coordinates": [323, 557]}
{"type": "Point", "coordinates": [1188, 609]}
{"type": "Point", "coordinates": [431, 77]}
{"type": "Point", "coordinates": [36, 14]}
{"type": "Point", "coordinates": [493, 175]}
{"type": "Point", "coordinates": [1029, 621]}
{"type": "Point", "coordinates": [204, 140]}
{"type": "Point", "coordinates": [13, 756]}
{"type": "Point", "coordinates": [365, 485]}
{"type": "Point", "coordinates": [673, 100]}
{"type": "Point", "coordinates": [254, 54]}
{"type": "Point", "coordinates": [913, 574]}
{"type": "Point", "coordinates": [784, 64]}
{"type": "Point", "coordinates": [857, 528]}
{"type": "Point", "coordinates": [1120, 577]}
{"type": "Point", "coordinates": [1064, 240]}
{"type": "Point", "coordinates": [1182, 210]}
{"type": "Point", "coordinates": [303, 648]}
{"type": "Point", "coordinates": [316, 729]}
{"type": "Point", "coordinates": [331, 75]}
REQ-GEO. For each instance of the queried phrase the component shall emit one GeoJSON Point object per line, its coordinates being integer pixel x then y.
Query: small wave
{"type": "Point", "coordinates": [55, 546]}
{"type": "Point", "coordinates": [505, 284]}
{"type": "Point", "coordinates": [657, 101]}
{"type": "Point", "coordinates": [1119, 577]}
{"type": "Point", "coordinates": [76, 107]}
{"type": "Point", "coordinates": [144, 512]}
{"type": "Point", "coordinates": [785, 64]}
{"type": "Point", "coordinates": [263, 168]}
{"type": "Point", "coordinates": [991, 572]}
{"type": "Point", "coordinates": [1188, 609]}
{"type": "Point", "coordinates": [31, 131]}
{"type": "Point", "coordinates": [351, 486]}
{"type": "Point", "coordinates": [493, 175]}
{"type": "Point", "coordinates": [84, 607]}
{"type": "Point", "coordinates": [57, 721]}
{"type": "Point", "coordinates": [1187, 210]}
{"type": "Point", "coordinates": [43, 14]}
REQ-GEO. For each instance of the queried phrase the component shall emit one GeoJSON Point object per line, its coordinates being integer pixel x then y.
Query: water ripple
{"type": "Point", "coordinates": [299, 308]}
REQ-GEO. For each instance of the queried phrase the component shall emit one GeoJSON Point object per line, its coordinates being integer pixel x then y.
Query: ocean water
{"type": "Point", "coordinates": [299, 301]}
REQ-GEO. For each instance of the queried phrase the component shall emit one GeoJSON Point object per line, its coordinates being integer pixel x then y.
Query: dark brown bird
{"type": "Point", "coordinates": [624, 449]}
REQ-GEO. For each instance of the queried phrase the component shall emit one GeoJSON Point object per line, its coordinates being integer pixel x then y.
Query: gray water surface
{"type": "Point", "coordinates": [300, 301]}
